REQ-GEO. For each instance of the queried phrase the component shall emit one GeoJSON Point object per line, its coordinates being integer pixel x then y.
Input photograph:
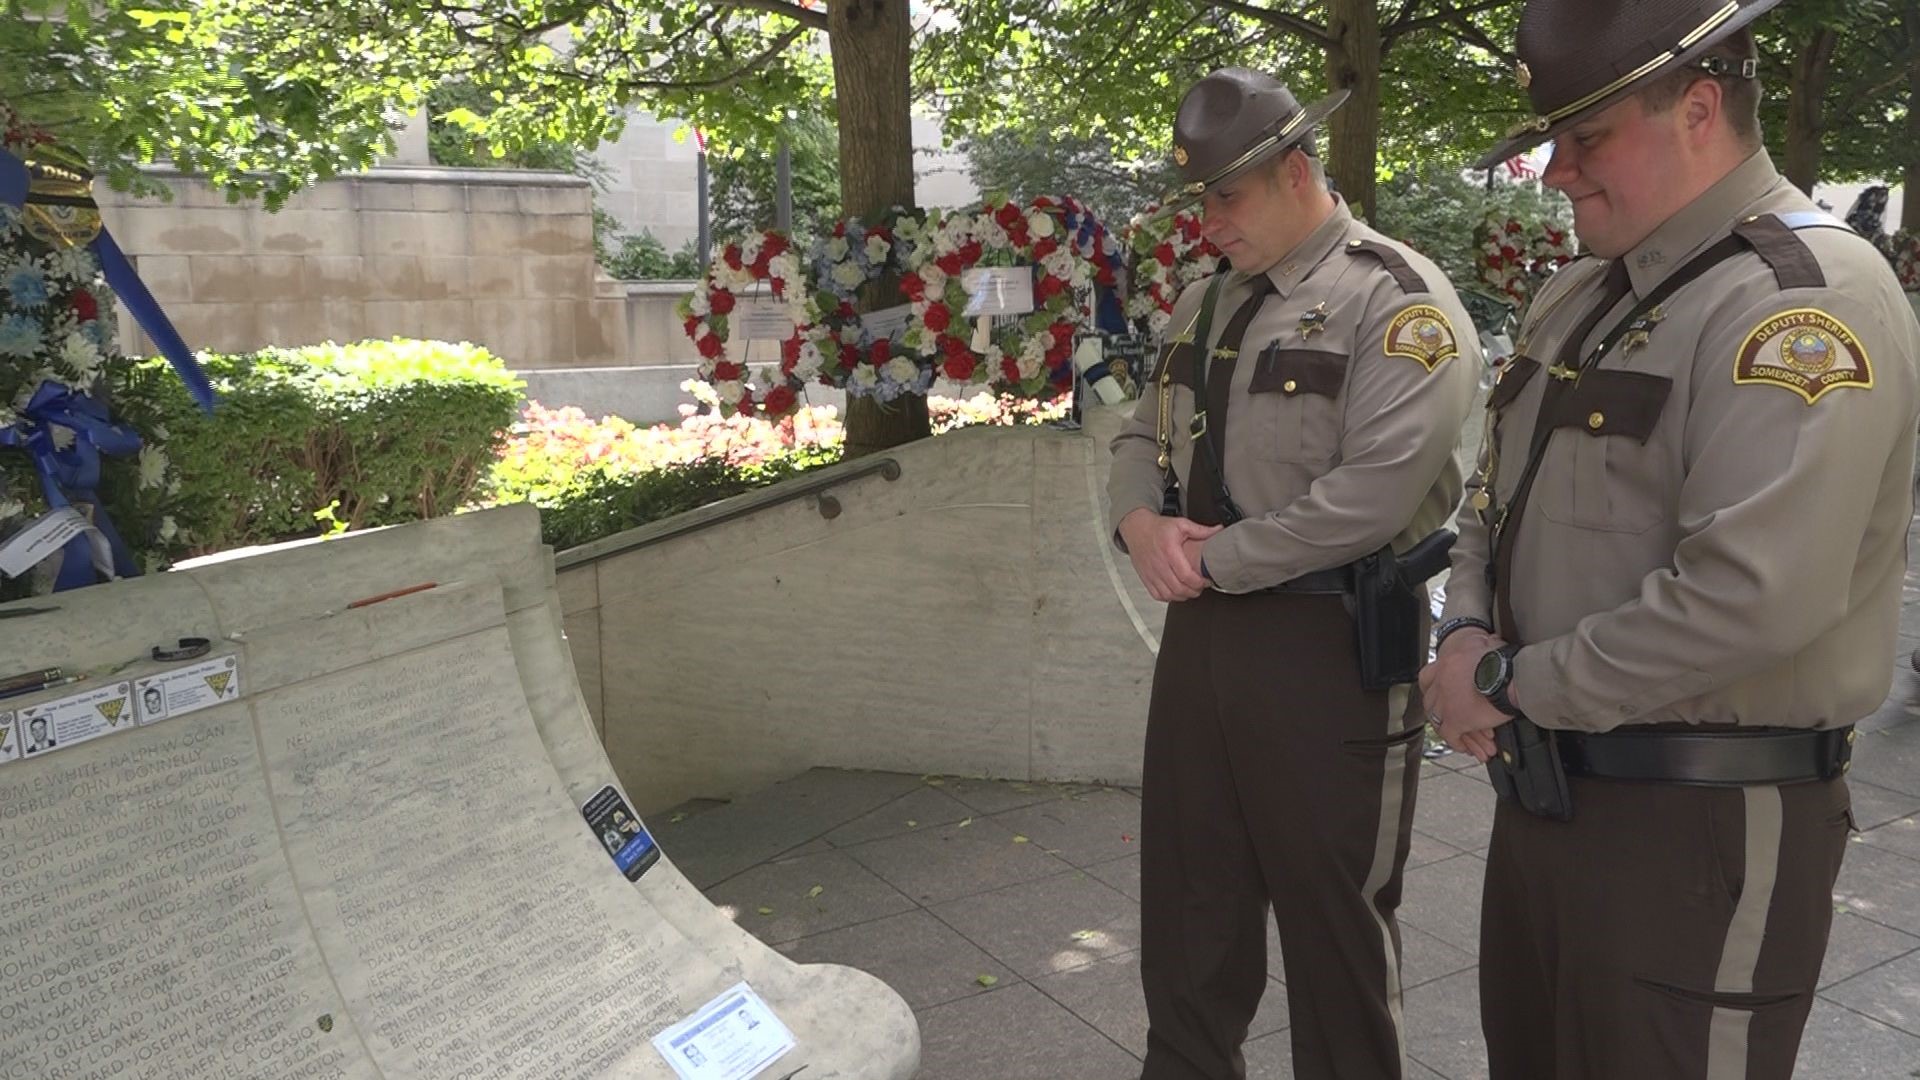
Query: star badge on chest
{"type": "Point", "coordinates": [1314, 321]}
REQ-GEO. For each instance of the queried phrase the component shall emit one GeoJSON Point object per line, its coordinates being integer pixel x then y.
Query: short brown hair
{"type": "Point", "coordinates": [1740, 96]}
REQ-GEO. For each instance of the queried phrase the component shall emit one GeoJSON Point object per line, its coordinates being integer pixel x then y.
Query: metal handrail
{"type": "Point", "coordinates": [779, 494]}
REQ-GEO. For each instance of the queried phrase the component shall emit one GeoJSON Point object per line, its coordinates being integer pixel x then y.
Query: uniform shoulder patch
{"type": "Point", "coordinates": [1422, 332]}
{"type": "Point", "coordinates": [1805, 350]}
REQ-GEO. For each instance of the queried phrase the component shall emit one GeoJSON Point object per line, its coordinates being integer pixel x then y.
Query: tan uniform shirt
{"type": "Point", "coordinates": [1352, 384]}
{"type": "Point", "coordinates": [1719, 534]}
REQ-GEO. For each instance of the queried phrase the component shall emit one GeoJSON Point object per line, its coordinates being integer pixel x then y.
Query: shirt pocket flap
{"type": "Point", "coordinates": [1514, 379]}
{"type": "Point", "coordinates": [1611, 402]}
{"type": "Point", "coordinates": [1299, 371]}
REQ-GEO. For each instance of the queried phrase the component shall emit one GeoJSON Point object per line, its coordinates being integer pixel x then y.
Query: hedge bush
{"type": "Point", "coordinates": [331, 437]}
{"type": "Point", "coordinates": [595, 478]}
{"type": "Point", "coordinates": [373, 433]}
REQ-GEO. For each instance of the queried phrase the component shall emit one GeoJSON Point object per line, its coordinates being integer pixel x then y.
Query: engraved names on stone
{"type": "Point", "coordinates": [467, 917]}
{"type": "Point", "coordinates": [148, 924]}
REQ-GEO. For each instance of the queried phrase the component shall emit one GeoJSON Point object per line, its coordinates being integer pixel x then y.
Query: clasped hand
{"type": "Point", "coordinates": [1166, 553]}
{"type": "Point", "coordinates": [1458, 711]}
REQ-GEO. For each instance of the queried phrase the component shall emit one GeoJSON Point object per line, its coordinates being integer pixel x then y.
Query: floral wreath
{"type": "Point", "coordinates": [1514, 258]}
{"type": "Point", "coordinates": [1906, 260]}
{"type": "Point", "coordinates": [841, 350]}
{"type": "Point", "coordinates": [58, 345]}
{"type": "Point", "coordinates": [1091, 239]}
{"type": "Point", "coordinates": [1035, 358]}
{"type": "Point", "coordinates": [766, 256]}
{"type": "Point", "coordinates": [1170, 254]}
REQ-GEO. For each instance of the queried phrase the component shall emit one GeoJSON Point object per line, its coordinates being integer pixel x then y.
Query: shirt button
{"type": "Point", "coordinates": [1290, 386]}
{"type": "Point", "coordinates": [1597, 420]}
{"type": "Point", "coordinates": [1354, 243]}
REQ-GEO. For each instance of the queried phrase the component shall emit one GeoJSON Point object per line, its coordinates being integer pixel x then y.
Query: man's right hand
{"type": "Point", "coordinates": [1154, 544]}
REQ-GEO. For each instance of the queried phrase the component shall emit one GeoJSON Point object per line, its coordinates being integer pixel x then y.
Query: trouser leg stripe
{"type": "Point", "coordinates": [1727, 1039]}
{"type": "Point", "coordinates": [1386, 843]}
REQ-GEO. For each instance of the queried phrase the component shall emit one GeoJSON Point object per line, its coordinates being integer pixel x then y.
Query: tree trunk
{"type": "Point", "coordinates": [871, 41]}
{"type": "Point", "coordinates": [1806, 98]}
{"type": "Point", "coordinates": [1353, 63]}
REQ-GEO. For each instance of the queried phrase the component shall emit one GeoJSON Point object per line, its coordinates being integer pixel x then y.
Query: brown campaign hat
{"type": "Point", "coordinates": [1580, 56]}
{"type": "Point", "coordinates": [1232, 120]}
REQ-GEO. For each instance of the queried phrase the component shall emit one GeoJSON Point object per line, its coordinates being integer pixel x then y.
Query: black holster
{"type": "Point", "coordinates": [1170, 496]}
{"type": "Point", "coordinates": [1528, 770]}
{"type": "Point", "coordinates": [1388, 606]}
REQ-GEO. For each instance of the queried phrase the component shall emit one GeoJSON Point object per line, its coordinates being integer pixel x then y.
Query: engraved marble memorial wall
{"type": "Point", "coordinates": [367, 859]}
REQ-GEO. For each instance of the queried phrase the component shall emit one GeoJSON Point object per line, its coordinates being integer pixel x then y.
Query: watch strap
{"type": "Point", "coordinates": [1458, 622]}
{"type": "Point", "coordinates": [1497, 695]}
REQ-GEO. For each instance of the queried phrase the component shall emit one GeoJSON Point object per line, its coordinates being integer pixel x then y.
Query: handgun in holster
{"type": "Point", "coordinates": [1388, 605]}
{"type": "Point", "coordinates": [1528, 770]}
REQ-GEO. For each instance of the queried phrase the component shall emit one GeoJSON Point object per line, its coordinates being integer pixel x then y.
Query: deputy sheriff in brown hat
{"type": "Point", "coordinates": [1681, 583]}
{"type": "Point", "coordinates": [1292, 454]}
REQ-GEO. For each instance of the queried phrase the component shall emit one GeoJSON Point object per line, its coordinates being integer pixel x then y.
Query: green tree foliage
{"type": "Point", "coordinates": [1435, 209]}
{"type": "Point", "coordinates": [1059, 69]}
{"type": "Point", "coordinates": [1023, 165]}
{"type": "Point", "coordinates": [1837, 95]}
{"type": "Point", "coordinates": [641, 257]}
{"type": "Point", "coordinates": [451, 144]}
{"type": "Point", "coordinates": [745, 188]}
{"type": "Point", "coordinates": [259, 106]}
{"type": "Point", "coordinates": [264, 97]}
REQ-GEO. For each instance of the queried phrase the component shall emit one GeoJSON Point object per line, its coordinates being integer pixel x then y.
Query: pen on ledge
{"type": "Point", "coordinates": [364, 601]}
{"type": "Point", "coordinates": [48, 684]}
{"type": "Point", "coordinates": [29, 678]}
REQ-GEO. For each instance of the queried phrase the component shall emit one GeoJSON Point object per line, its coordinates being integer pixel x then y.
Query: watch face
{"type": "Point", "coordinates": [1490, 672]}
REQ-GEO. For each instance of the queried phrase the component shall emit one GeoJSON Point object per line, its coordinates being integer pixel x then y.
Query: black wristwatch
{"type": "Point", "coordinates": [1493, 675]}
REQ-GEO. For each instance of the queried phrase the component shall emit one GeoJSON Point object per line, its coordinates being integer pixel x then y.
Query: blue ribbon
{"type": "Point", "coordinates": [1107, 316]}
{"type": "Point", "coordinates": [73, 475]}
{"type": "Point", "coordinates": [15, 182]}
{"type": "Point", "coordinates": [1087, 232]}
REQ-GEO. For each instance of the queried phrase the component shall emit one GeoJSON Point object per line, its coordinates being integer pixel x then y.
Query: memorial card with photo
{"type": "Point", "coordinates": [732, 1037]}
{"type": "Point", "coordinates": [76, 718]}
{"type": "Point", "coordinates": [187, 689]}
{"type": "Point", "coordinates": [619, 830]}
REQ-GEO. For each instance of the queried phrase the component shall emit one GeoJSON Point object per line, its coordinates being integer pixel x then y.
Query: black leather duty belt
{"type": "Point", "coordinates": [1710, 758]}
{"type": "Point", "coordinates": [1337, 580]}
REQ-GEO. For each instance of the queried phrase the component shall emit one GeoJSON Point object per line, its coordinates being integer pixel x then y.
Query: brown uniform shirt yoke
{"type": "Point", "coordinates": [1719, 535]}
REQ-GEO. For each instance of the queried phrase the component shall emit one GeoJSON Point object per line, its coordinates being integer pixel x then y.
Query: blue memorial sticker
{"type": "Point", "coordinates": [618, 829]}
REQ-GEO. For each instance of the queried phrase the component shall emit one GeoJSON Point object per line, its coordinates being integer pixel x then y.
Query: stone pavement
{"type": "Point", "coordinates": [1007, 913]}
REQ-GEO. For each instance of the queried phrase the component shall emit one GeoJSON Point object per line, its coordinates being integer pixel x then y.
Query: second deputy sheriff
{"type": "Point", "coordinates": [1683, 582]}
{"type": "Point", "coordinates": [1282, 484]}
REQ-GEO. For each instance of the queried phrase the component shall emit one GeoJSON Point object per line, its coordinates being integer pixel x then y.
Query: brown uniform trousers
{"type": "Point", "coordinates": [1701, 915]}
{"type": "Point", "coordinates": [1273, 781]}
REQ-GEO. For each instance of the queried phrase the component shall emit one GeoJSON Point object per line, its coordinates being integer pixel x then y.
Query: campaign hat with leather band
{"type": "Point", "coordinates": [1580, 56]}
{"type": "Point", "coordinates": [1232, 120]}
